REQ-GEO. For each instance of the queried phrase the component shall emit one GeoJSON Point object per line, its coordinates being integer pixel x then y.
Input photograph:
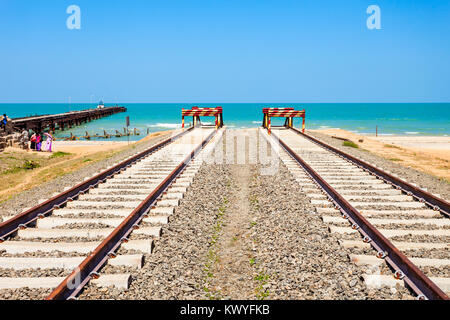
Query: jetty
{"type": "Point", "coordinates": [64, 120]}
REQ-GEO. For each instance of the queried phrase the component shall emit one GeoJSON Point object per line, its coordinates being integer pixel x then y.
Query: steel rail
{"type": "Point", "coordinates": [431, 200]}
{"type": "Point", "coordinates": [412, 275]}
{"type": "Point", "coordinates": [87, 270]}
{"type": "Point", "coordinates": [29, 216]}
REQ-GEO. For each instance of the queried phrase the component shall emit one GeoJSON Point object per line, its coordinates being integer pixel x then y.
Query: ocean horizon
{"type": "Point", "coordinates": [424, 119]}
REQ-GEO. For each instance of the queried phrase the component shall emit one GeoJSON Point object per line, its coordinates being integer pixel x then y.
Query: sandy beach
{"type": "Point", "coordinates": [86, 147]}
{"type": "Point", "coordinates": [430, 154]}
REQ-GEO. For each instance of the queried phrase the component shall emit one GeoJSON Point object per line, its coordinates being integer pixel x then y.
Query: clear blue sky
{"type": "Point", "coordinates": [224, 51]}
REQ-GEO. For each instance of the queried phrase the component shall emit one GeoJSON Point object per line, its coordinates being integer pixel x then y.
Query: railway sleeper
{"type": "Point", "coordinates": [119, 281]}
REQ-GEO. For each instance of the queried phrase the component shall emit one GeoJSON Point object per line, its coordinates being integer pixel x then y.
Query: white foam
{"type": "Point", "coordinates": [411, 132]}
{"type": "Point", "coordinates": [165, 125]}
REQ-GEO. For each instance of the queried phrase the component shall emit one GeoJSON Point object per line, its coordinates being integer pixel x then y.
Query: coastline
{"type": "Point", "coordinates": [409, 119]}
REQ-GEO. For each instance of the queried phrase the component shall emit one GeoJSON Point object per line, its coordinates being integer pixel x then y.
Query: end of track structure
{"type": "Point", "coordinates": [413, 276]}
{"type": "Point", "coordinates": [197, 112]}
{"type": "Point", "coordinates": [288, 113]}
{"type": "Point", "coordinates": [88, 269]}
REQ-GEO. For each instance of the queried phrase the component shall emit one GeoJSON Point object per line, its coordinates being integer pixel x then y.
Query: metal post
{"type": "Point", "coordinates": [128, 124]}
{"type": "Point", "coordinates": [303, 125]}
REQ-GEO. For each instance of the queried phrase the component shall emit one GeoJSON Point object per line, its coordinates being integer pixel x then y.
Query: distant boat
{"type": "Point", "coordinates": [101, 105]}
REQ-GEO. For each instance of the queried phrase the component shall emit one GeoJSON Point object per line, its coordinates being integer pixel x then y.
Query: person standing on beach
{"type": "Point", "coordinates": [38, 142]}
{"type": "Point", "coordinates": [47, 147]}
{"type": "Point", "coordinates": [33, 141]}
{"type": "Point", "coordinates": [24, 140]}
{"type": "Point", "coordinates": [4, 121]}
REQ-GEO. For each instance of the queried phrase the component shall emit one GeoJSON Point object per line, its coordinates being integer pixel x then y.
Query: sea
{"type": "Point", "coordinates": [425, 119]}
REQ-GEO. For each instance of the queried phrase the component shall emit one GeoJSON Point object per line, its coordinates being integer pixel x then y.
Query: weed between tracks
{"type": "Point", "coordinates": [261, 278]}
{"type": "Point", "coordinates": [212, 257]}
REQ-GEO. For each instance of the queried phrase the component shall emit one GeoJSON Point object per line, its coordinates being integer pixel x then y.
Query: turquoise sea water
{"type": "Point", "coordinates": [391, 118]}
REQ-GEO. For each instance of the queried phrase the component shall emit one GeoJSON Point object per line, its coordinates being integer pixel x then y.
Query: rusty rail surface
{"type": "Point", "coordinates": [87, 270]}
{"type": "Point", "coordinates": [39, 211]}
{"type": "Point", "coordinates": [413, 276]}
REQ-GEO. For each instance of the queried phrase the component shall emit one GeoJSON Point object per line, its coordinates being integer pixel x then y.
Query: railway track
{"type": "Point", "coordinates": [373, 209]}
{"type": "Point", "coordinates": [63, 243]}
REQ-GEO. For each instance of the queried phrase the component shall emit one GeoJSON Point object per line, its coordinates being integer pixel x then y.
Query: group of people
{"type": "Point", "coordinates": [38, 143]}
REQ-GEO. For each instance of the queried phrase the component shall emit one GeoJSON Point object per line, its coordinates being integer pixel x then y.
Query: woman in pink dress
{"type": "Point", "coordinates": [38, 142]}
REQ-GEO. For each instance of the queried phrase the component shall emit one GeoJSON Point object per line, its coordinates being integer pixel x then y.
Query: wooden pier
{"type": "Point", "coordinates": [64, 120]}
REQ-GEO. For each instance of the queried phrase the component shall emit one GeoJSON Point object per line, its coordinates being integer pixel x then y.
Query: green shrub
{"type": "Point", "coordinates": [30, 165]}
{"type": "Point", "coordinates": [59, 154]}
{"type": "Point", "coordinates": [350, 144]}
